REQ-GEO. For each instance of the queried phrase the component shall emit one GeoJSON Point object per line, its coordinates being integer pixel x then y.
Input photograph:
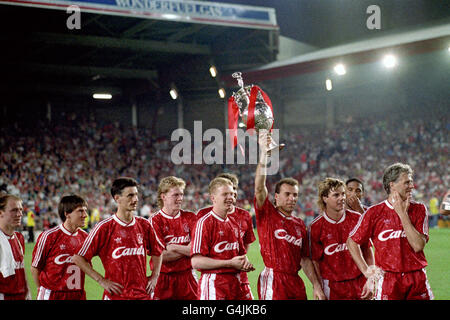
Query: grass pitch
{"type": "Point", "coordinates": [436, 252]}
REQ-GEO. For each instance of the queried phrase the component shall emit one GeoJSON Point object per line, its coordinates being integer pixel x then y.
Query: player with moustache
{"type": "Point", "coordinates": [398, 229]}
{"type": "Point", "coordinates": [328, 233]}
{"type": "Point", "coordinates": [243, 220]}
{"type": "Point", "coordinates": [52, 268]}
{"type": "Point", "coordinates": [282, 237]}
{"type": "Point", "coordinates": [175, 226]}
{"type": "Point", "coordinates": [217, 249]}
{"type": "Point", "coordinates": [122, 242]}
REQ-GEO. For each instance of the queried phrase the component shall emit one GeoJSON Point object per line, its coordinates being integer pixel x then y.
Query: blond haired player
{"type": "Point", "coordinates": [217, 248]}
{"type": "Point", "coordinates": [341, 278]}
{"type": "Point", "coordinates": [175, 227]}
{"type": "Point", "coordinates": [13, 282]}
{"type": "Point", "coordinates": [398, 228]}
{"type": "Point", "coordinates": [242, 220]}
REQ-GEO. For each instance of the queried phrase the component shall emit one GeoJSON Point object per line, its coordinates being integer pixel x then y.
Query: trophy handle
{"type": "Point", "coordinates": [238, 77]}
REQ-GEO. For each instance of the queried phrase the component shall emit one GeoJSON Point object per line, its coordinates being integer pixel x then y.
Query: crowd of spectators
{"type": "Point", "coordinates": [79, 155]}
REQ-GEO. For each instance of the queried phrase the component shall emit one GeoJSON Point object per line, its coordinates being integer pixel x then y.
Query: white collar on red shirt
{"type": "Point", "coordinates": [63, 229]}
{"type": "Point", "coordinates": [388, 204]}
{"type": "Point", "coordinates": [215, 215]}
{"type": "Point", "coordinates": [165, 215]}
{"type": "Point", "coordinates": [332, 220]}
{"type": "Point", "coordinates": [122, 223]}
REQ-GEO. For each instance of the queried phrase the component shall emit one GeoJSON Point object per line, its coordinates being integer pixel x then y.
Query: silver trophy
{"type": "Point", "coordinates": [263, 113]}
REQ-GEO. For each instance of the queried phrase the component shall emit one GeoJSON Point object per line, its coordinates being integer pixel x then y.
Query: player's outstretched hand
{"type": "Point", "coordinates": [111, 286]}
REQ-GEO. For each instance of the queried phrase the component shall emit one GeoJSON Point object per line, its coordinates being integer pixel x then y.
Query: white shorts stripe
{"type": "Point", "coordinates": [326, 288]}
{"type": "Point", "coordinates": [379, 288]}
{"type": "Point", "coordinates": [43, 293]}
{"type": "Point", "coordinates": [207, 287]}
{"type": "Point", "coordinates": [430, 293]}
{"type": "Point", "coordinates": [266, 283]}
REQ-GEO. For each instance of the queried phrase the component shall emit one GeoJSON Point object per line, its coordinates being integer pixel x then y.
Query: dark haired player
{"type": "Point", "coordinates": [122, 242]}
{"type": "Point", "coordinates": [55, 275]}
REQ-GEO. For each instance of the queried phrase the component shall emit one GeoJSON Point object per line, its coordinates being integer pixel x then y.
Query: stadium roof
{"type": "Point", "coordinates": [128, 51]}
{"type": "Point", "coordinates": [364, 51]}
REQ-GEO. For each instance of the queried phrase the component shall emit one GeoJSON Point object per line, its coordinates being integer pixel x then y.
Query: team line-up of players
{"type": "Point", "coordinates": [335, 251]}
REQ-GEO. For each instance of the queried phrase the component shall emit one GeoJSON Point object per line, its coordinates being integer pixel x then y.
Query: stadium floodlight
{"type": "Point", "coordinates": [213, 71]}
{"type": "Point", "coordinates": [340, 69]}
{"type": "Point", "coordinates": [173, 91]}
{"type": "Point", "coordinates": [389, 61]}
{"type": "Point", "coordinates": [222, 93]}
{"type": "Point", "coordinates": [104, 96]}
{"type": "Point", "coordinates": [328, 85]}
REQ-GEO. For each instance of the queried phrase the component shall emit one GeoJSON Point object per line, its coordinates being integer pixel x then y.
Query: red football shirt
{"type": "Point", "coordinates": [122, 249]}
{"type": "Point", "coordinates": [16, 283]}
{"type": "Point", "coordinates": [327, 240]}
{"type": "Point", "coordinates": [217, 238]}
{"type": "Point", "coordinates": [178, 229]}
{"type": "Point", "coordinates": [52, 255]}
{"type": "Point", "coordinates": [283, 239]}
{"type": "Point", "coordinates": [392, 250]}
{"type": "Point", "coordinates": [243, 221]}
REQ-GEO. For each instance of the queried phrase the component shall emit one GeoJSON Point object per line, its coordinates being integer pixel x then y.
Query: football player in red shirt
{"type": "Point", "coordinates": [175, 226]}
{"type": "Point", "coordinates": [122, 242]}
{"type": "Point", "coordinates": [13, 282]}
{"type": "Point", "coordinates": [398, 228]}
{"type": "Point", "coordinates": [354, 193]}
{"type": "Point", "coordinates": [242, 220]}
{"type": "Point", "coordinates": [217, 248]}
{"type": "Point", "coordinates": [283, 238]}
{"type": "Point", "coordinates": [55, 275]}
{"type": "Point", "coordinates": [328, 233]}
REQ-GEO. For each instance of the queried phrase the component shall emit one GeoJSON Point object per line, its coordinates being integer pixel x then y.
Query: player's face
{"type": "Point", "coordinates": [128, 200]}
{"type": "Point", "coordinates": [354, 188]}
{"type": "Point", "coordinates": [77, 217]}
{"type": "Point", "coordinates": [335, 200]}
{"type": "Point", "coordinates": [173, 199]}
{"type": "Point", "coordinates": [12, 215]}
{"type": "Point", "coordinates": [404, 185]}
{"type": "Point", "coordinates": [286, 200]}
{"type": "Point", "coordinates": [223, 198]}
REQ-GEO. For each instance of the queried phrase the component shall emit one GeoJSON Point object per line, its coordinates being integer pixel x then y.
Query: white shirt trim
{"type": "Point", "coordinates": [122, 223]}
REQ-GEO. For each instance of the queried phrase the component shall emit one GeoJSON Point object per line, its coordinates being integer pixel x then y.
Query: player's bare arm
{"type": "Point", "coordinates": [153, 279]}
{"type": "Point", "coordinates": [239, 263]}
{"type": "Point", "coordinates": [260, 176]}
{"type": "Point", "coordinates": [108, 285]}
{"type": "Point", "coordinates": [362, 264]}
{"type": "Point", "coordinates": [357, 255]}
{"type": "Point", "coordinates": [174, 252]}
{"type": "Point", "coordinates": [308, 269]}
{"type": "Point", "coordinates": [35, 275]}
{"type": "Point", "coordinates": [415, 238]}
